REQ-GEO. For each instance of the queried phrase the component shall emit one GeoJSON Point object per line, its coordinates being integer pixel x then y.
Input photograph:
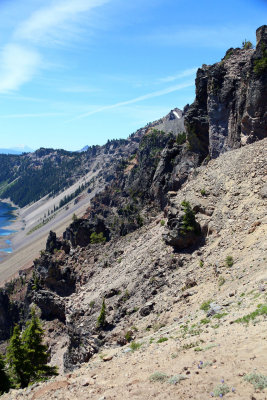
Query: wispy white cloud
{"type": "Point", "coordinates": [18, 65]}
{"type": "Point", "coordinates": [55, 22]}
{"type": "Point", "coordinates": [157, 93]}
{"type": "Point", "coordinates": [38, 115]}
{"type": "Point", "coordinates": [180, 75]}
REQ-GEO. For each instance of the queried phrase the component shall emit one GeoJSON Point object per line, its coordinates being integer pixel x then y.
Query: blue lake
{"type": "Point", "coordinates": [6, 218]}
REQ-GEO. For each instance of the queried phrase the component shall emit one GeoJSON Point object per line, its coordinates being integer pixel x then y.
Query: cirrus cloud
{"type": "Point", "coordinates": [18, 65]}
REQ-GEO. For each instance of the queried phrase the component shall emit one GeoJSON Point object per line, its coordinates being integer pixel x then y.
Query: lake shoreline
{"type": "Point", "coordinates": [13, 228]}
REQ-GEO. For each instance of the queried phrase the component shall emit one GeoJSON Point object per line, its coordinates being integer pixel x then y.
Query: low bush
{"type": "Point", "coordinates": [158, 377]}
{"type": "Point", "coordinates": [259, 381]}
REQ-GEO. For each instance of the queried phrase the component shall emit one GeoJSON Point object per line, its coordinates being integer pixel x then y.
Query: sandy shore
{"type": "Point", "coordinates": [33, 223]}
{"type": "Point", "coordinates": [27, 247]}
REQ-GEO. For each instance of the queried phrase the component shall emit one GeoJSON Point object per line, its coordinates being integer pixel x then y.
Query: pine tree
{"type": "Point", "coordinates": [27, 355]}
{"type": "Point", "coordinates": [16, 357]}
{"type": "Point", "coordinates": [36, 351]}
{"type": "Point", "coordinates": [4, 378]}
{"type": "Point", "coordinates": [189, 223]}
{"type": "Point", "coordinates": [101, 320]}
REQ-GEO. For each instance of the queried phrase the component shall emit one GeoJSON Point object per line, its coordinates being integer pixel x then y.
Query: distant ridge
{"type": "Point", "coordinates": [16, 150]}
{"type": "Point", "coordinates": [85, 148]}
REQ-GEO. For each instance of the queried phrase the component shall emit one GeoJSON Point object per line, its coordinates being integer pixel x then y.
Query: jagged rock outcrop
{"type": "Point", "coordinates": [230, 105]}
{"type": "Point", "coordinates": [51, 305]}
{"type": "Point", "coordinates": [182, 230]}
{"type": "Point", "coordinates": [53, 243]}
{"type": "Point", "coordinates": [55, 275]}
{"type": "Point", "coordinates": [80, 231]}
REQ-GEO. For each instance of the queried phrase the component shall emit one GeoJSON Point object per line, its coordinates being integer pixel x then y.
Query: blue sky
{"type": "Point", "coordinates": [77, 72]}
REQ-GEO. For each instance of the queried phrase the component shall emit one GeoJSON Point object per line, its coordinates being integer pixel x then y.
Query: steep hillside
{"type": "Point", "coordinates": [197, 312]}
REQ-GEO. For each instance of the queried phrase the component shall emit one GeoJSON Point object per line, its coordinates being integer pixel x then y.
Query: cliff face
{"type": "Point", "coordinates": [230, 105]}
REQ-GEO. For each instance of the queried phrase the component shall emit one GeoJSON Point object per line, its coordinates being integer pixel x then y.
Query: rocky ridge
{"type": "Point", "coordinates": [230, 105]}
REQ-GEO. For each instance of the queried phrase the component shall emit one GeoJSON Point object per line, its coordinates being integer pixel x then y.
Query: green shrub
{"type": "Point", "coordinates": [229, 261]}
{"type": "Point", "coordinates": [74, 217]}
{"type": "Point", "coordinates": [135, 346]}
{"type": "Point", "coordinates": [181, 138]}
{"type": "Point", "coordinates": [221, 281]}
{"type": "Point", "coordinates": [162, 339]}
{"type": "Point", "coordinates": [260, 65]}
{"type": "Point", "coordinates": [259, 381]}
{"type": "Point", "coordinates": [205, 306]}
{"type": "Point", "coordinates": [176, 379]}
{"type": "Point", "coordinates": [221, 390]}
{"type": "Point", "coordinates": [246, 44]}
{"type": "Point", "coordinates": [228, 54]}
{"type": "Point", "coordinates": [220, 315]}
{"type": "Point", "coordinates": [162, 222]}
{"type": "Point", "coordinates": [158, 377]}
{"type": "Point", "coordinates": [205, 321]}
{"type": "Point", "coordinates": [261, 310]}
{"type": "Point", "coordinates": [203, 192]}
{"type": "Point", "coordinates": [189, 223]}
{"type": "Point", "coordinates": [101, 320]}
{"type": "Point", "coordinates": [201, 263]}
{"type": "Point", "coordinates": [97, 238]}
{"type": "Point", "coordinates": [129, 336]}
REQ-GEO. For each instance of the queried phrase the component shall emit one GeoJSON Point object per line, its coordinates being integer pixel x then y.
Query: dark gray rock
{"type": "Point", "coordinates": [214, 309]}
{"type": "Point", "coordinates": [79, 232]}
{"type": "Point", "coordinates": [146, 309]}
{"type": "Point", "coordinates": [55, 275]}
{"type": "Point", "coordinates": [263, 191]}
{"type": "Point", "coordinates": [51, 305]}
{"type": "Point", "coordinates": [52, 243]}
{"type": "Point", "coordinates": [177, 235]}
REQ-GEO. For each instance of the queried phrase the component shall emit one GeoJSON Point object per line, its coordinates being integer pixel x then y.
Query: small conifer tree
{"type": "Point", "coordinates": [27, 355]}
{"type": "Point", "coordinates": [36, 351]}
{"type": "Point", "coordinates": [4, 378]}
{"type": "Point", "coordinates": [16, 358]}
{"type": "Point", "coordinates": [101, 320]}
{"type": "Point", "coordinates": [189, 223]}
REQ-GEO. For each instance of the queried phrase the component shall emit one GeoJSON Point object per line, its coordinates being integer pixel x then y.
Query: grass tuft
{"type": "Point", "coordinates": [162, 339]}
{"type": "Point", "coordinates": [261, 310]}
{"type": "Point", "coordinates": [205, 306]}
{"type": "Point", "coordinates": [158, 377]}
{"type": "Point", "coordinates": [176, 379]}
{"type": "Point", "coordinates": [221, 390]}
{"type": "Point", "coordinates": [259, 381]}
{"type": "Point", "coordinates": [135, 346]}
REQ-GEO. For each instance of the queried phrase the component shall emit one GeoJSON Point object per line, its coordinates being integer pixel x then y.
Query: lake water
{"type": "Point", "coordinates": [6, 218]}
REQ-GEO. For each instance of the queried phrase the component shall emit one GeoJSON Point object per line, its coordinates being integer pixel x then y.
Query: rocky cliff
{"type": "Point", "coordinates": [230, 106]}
